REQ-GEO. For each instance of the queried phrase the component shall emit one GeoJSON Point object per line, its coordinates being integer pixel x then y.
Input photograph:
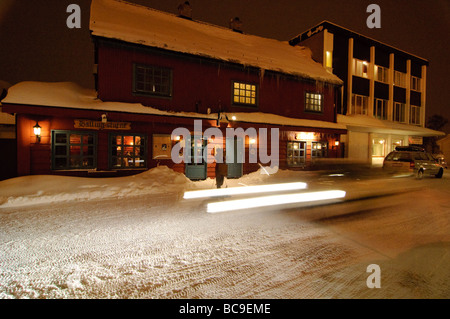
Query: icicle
{"type": "Point", "coordinates": [319, 86]}
{"type": "Point", "coordinates": [261, 76]}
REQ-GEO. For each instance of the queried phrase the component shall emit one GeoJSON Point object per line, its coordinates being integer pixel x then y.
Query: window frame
{"type": "Point", "coordinates": [416, 119]}
{"type": "Point", "coordinates": [301, 158]}
{"type": "Point", "coordinates": [364, 106]}
{"type": "Point", "coordinates": [136, 91]}
{"type": "Point", "coordinates": [416, 83]}
{"type": "Point", "coordinates": [356, 69]}
{"type": "Point", "coordinates": [384, 74]}
{"type": "Point", "coordinates": [323, 151]}
{"type": "Point", "coordinates": [313, 97]}
{"type": "Point", "coordinates": [384, 109]}
{"type": "Point", "coordinates": [113, 136]}
{"type": "Point", "coordinates": [402, 108]}
{"type": "Point", "coordinates": [400, 79]}
{"type": "Point", "coordinates": [382, 147]}
{"type": "Point", "coordinates": [68, 144]}
{"type": "Point", "coordinates": [244, 104]}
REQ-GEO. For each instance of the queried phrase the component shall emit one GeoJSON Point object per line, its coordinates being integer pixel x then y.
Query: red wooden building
{"type": "Point", "coordinates": [156, 72]}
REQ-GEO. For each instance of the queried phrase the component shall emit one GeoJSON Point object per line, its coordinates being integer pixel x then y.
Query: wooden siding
{"type": "Point", "coordinates": [35, 158]}
{"type": "Point", "coordinates": [199, 84]}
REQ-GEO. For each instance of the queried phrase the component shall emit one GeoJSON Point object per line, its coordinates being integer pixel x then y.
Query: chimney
{"type": "Point", "coordinates": [185, 10]}
{"type": "Point", "coordinates": [236, 25]}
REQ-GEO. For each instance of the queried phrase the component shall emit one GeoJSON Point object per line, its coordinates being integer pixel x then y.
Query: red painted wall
{"type": "Point", "coordinates": [205, 83]}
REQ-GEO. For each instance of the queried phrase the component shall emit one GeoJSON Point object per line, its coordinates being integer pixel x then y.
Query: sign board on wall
{"type": "Point", "coordinates": [99, 125]}
{"type": "Point", "coordinates": [415, 140]}
{"type": "Point", "coordinates": [162, 146]}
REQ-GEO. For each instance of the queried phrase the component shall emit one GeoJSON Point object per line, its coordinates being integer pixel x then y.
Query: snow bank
{"type": "Point", "coordinates": [47, 189]}
{"type": "Point", "coordinates": [32, 190]}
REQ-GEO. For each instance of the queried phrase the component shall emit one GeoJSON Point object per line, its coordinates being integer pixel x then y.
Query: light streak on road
{"type": "Point", "coordinates": [274, 200]}
{"type": "Point", "coordinates": [244, 190]}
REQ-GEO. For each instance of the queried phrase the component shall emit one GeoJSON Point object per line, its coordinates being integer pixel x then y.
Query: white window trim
{"type": "Point", "coordinates": [364, 105]}
{"type": "Point", "coordinates": [358, 68]}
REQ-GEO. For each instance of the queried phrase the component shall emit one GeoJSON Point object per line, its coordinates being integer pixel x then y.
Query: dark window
{"type": "Point", "coordinates": [380, 109]}
{"type": "Point", "coordinates": [74, 150]}
{"type": "Point", "coordinates": [128, 151]}
{"type": "Point", "coordinates": [152, 80]}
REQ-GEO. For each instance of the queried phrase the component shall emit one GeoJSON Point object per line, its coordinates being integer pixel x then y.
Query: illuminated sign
{"type": "Point", "coordinates": [101, 125]}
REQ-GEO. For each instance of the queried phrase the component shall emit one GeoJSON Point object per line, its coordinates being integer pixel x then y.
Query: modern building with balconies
{"type": "Point", "coordinates": [383, 100]}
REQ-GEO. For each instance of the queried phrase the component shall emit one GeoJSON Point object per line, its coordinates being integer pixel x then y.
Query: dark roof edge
{"type": "Point", "coordinates": [332, 26]}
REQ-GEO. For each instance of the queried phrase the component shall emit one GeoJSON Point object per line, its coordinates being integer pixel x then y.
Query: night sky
{"type": "Point", "coordinates": [36, 45]}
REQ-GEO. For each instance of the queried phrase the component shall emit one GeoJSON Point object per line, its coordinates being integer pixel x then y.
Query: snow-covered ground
{"type": "Point", "coordinates": [136, 237]}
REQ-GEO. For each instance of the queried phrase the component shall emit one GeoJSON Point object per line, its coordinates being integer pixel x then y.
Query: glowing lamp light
{"type": "Point", "coordinates": [252, 141]}
{"type": "Point", "coordinates": [274, 200]}
{"type": "Point", "coordinates": [244, 190]}
{"type": "Point", "coordinates": [336, 143]}
{"type": "Point", "coordinates": [37, 132]}
{"type": "Point", "coordinates": [305, 136]}
{"type": "Point", "coordinates": [233, 118]}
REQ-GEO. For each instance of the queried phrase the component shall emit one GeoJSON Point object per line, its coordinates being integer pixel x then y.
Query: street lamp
{"type": "Point", "coordinates": [37, 132]}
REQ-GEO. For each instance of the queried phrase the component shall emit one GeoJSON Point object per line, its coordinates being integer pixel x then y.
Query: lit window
{"type": "Point", "coordinates": [128, 151]}
{"type": "Point", "coordinates": [319, 149]}
{"type": "Point", "coordinates": [396, 142]}
{"type": "Point", "coordinates": [379, 147]}
{"type": "Point", "coordinates": [360, 68]}
{"type": "Point", "coordinates": [152, 80]}
{"type": "Point", "coordinates": [296, 153]}
{"type": "Point", "coordinates": [329, 60]}
{"type": "Point", "coordinates": [244, 93]}
{"type": "Point", "coordinates": [313, 102]}
{"type": "Point", "coordinates": [73, 150]}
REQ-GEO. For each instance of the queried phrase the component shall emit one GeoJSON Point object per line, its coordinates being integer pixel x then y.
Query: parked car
{"type": "Point", "coordinates": [413, 160]}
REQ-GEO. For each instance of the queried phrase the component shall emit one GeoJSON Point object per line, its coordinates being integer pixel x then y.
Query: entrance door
{"type": "Point", "coordinates": [235, 156]}
{"type": "Point", "coordinates": [197, 168]}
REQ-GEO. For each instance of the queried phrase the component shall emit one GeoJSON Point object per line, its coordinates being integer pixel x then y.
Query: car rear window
{"type": "Point", "coordinates": [399, 157]}
{"type": "Point", "coordinates": [420, 156]}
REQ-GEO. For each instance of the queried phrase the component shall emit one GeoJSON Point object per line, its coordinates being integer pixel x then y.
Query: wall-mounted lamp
{"type": "Point", "coordinates": [37, 132]}
{"type": "Point", "coordinates": [233, 118]}
{"type": "Point", "coordinates": [104, 118]}
{"type": "Point", "coordinates": [336, 143]}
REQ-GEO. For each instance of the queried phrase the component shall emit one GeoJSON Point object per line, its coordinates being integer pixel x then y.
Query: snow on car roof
{"type": "Point", "coordinates": [120, 20]}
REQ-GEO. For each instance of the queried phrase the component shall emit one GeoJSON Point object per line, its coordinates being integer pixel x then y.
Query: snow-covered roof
{"type": "Point", "coordinates": [71, 95]}
{"type": "Point", "coordinates": [120, 20]}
